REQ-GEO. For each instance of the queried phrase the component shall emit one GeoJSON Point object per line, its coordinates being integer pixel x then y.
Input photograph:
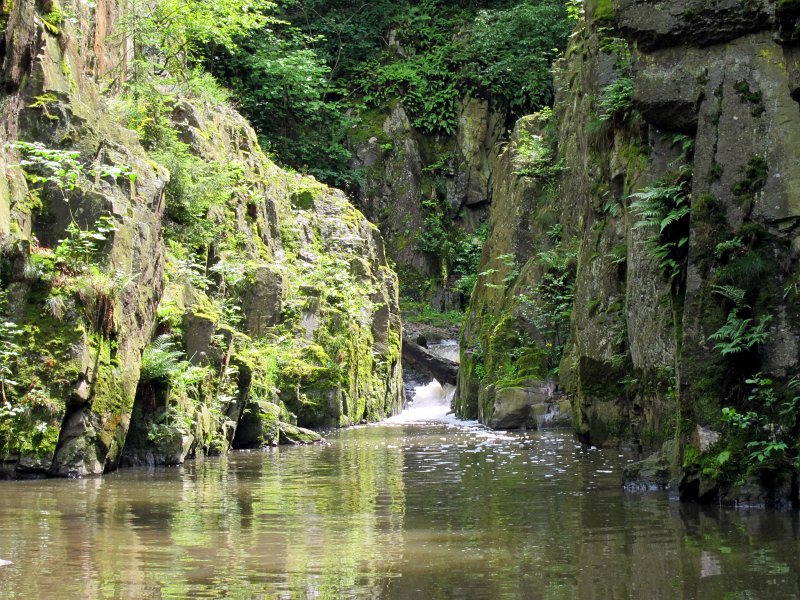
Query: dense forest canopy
{"type": "Point", "coordinates": [300, 74]}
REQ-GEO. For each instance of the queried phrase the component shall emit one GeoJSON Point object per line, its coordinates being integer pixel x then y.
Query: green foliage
{"type": "Point", "coordinates": [665, 208]}
{"type": "Point", "coordinates": [161, 360]}
{"type": "Point", "coordinates": [549, 305]}
{"type": "Point", "coordinates": [297, 80]}
{"type": "Point", "coordinates": [171, 36]}
{"type": "Point", "coordinates": [616, 100]}
{"type": "Point", "coordinates": [283, 87]}
{"type": "Point", "coordinates": [510, 51]}
{"type": "Point", "coordinates": [739, 334]}
{"type": "Point", "coordinates": [75, 253]}
{"type": "Point", "coordinates": [62, 169]}
{"type": "Point", "coordinates": [422, 312]}
{"type": "Point", "coordinates": [9, 348]}
{"type": "Point", "coordinates": [534, 154]}
{"type": "Point", "coordinates": [195, 186]}
{"type": "Point", "coordinates": [766, 431]}
{"type": "Point", "coordinates": [467, 258]}
{"type": "Point", "coordinates": [457, 252]}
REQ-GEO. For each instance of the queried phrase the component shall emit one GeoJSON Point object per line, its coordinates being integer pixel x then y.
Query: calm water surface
{"type": "Point", "coordinates": [387, 511]}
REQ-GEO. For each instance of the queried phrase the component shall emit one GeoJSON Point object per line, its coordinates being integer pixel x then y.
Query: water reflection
{"type": "Point", "coordinates": [391, 511]}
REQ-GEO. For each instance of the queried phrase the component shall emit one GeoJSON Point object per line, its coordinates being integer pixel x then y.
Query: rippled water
{"type": "Point", "coordinates": [387, 511]}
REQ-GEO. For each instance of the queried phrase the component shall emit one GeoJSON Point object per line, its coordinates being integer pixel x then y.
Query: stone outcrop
{"type": "Point", "coordinates": [409, 176]}
{"type": "Point", "coordinates": [82, 333]}
{"type": "Point", "coordinates": [697, 103]}
{"type": "Point", "coordinates": [428, 363]}
{"type": "Point", "coordinates": [292, 306]}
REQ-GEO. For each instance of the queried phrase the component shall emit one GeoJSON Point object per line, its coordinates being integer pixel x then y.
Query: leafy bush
{"type": "Point", "coordinates": [79, 249]}
{"type": "Point", "coordinates": [510, 53]}
{"type": "Point", "coordinates": [298, 80]}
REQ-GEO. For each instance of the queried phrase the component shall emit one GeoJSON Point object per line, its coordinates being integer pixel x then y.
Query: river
{"type": "Point", "coordinates": [401, 509]}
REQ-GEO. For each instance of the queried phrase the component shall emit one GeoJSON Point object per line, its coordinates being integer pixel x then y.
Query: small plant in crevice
{"type": "Point", "coordinates": [160, 360]}
{"type": "Point", "coordinates": [739, 334]}
{"type": "Point", "coordinates": [754, 180]}
{"type": "Point", "coordinates": [75, 253]}
{"type": "Point", "coordinates": [616, 99]}
{"type": "Point", "coordinates": [665, 208]}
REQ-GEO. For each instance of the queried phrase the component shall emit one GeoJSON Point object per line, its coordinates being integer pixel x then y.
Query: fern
{"type": "Point", "coordinates": [663, 207]}
{"type": "Point", "coordinates": [734, 294]}
{"type": "Point", "coordinates": [160, 360]}
{"type": "Point", "coordinates": [738, 335]}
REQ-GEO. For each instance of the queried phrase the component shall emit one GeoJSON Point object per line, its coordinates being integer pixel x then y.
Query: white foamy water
{"type": "Point", "coordinates": [431, 402]}
{"type": "Point", "coordinates": [3, 563]}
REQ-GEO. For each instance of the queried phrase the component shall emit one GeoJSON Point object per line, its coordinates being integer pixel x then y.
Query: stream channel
{"type": "Point", "coordinates": [420, 506]}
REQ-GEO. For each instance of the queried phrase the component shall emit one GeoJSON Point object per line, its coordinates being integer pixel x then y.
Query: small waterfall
{"type": "Point", "coordinates": [431, 402]}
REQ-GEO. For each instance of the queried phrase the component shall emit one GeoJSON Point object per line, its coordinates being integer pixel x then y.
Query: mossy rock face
{"type": "Point", "coordinates": [294, 293]}
{"type": "Point", "coordinates": [258, 426]}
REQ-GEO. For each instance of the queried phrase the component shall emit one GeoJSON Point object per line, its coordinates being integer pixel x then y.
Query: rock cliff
{"type": "Point", "coordinates": [661, 233]}
{"type": "Point", "coordinates": [155, 295]}
{"type": "Point", "coordinates": [418, 186]}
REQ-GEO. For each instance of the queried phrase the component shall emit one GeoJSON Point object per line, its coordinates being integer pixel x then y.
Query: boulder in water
{"type": "Point", "coordinates": [291, 434]}
{"type": "Point", "coordinates": [258, 425]}
{"type": "Point", "coordinates": [520, 407]}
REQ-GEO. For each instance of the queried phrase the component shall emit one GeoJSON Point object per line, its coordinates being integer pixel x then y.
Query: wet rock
{"type": "Point", "coordinates": [520, 407]}
{"type": "Point", "coordinates": [258, 426]}
{"type": "Point", "coordinates": [652, 473]}
{"type": "Point", "coordinates": [293, 435]}
{"type": "Point", "coordinates": [773, 490]}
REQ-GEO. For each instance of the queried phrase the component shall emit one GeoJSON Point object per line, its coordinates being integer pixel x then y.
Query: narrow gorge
{"type": "Point", "coordinates": [234, 226]}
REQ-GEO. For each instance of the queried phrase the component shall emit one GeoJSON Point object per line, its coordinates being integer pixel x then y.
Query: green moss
{"type": "Point", "coordinates": [753, 181]}
{"type": "Point", "coordinates": [753, 97]}
{"type": "Point", "coordinates": [53, 19]}
{"type": "Point", "coordinates": [602, 11]}
{"type": "Point", "coordinates": [369, 126]}
{"type": "Point", "coordinates": [44, 100]}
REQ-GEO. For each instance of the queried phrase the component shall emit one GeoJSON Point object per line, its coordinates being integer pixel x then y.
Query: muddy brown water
{"type": "Point", "coordinates": [388, 511]}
